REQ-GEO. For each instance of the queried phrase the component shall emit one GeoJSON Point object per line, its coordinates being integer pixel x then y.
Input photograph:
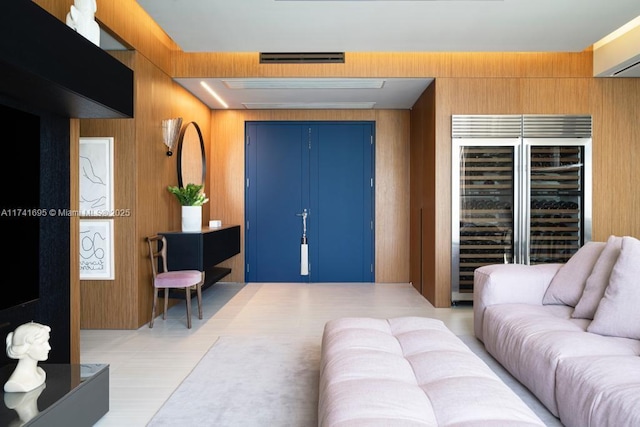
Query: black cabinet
{"type": "Point", "coordinates": [203, 251]}
{"type": "Point", "coordinates": [73, 395]}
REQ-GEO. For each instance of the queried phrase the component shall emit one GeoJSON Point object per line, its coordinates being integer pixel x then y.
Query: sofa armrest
{"type": "Point", "coordinates": [509, 283]}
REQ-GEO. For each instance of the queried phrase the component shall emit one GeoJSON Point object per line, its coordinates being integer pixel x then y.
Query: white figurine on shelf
{"type": "Point", "coordinates": [29, 343]}
{"type": "Point", "coordinates": [81, 17]}
{"type": "Point", "coordinates": [25, 405]}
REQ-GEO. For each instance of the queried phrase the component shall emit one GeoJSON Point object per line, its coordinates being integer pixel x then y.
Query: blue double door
{"type": "Point", "coordinates": [323, 169]}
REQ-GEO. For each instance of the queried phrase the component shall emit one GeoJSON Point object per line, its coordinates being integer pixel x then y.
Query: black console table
{"type": "Point", "coordinates": [72, 395]}
{"type": "Point", "coordinates": [203, 251]}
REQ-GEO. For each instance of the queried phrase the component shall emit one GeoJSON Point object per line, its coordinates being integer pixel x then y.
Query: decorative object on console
{"type": "Point", "coordinates": [170, 131]}
{"type": "Point", "coordinates": [25, 404]}
{"type": "Point", "coordinates": [81, 17]}
{"type": "Point", "coordinates": [29, 343]}
{"type": "Point", "coordinates": [191, 218]}
{"type": "Point", "coordinates": [191, 198]}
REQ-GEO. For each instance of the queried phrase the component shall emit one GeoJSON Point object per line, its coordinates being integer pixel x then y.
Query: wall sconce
{"type": "Point", "coordinates": [170, 131]}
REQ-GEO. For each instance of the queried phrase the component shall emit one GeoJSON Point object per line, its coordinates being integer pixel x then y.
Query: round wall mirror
{"type": "Point", "coordinates": [191, 156]}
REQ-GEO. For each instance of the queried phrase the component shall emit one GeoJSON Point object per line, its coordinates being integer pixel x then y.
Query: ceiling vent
{"type": "Point", "coordinates": [302, 58]}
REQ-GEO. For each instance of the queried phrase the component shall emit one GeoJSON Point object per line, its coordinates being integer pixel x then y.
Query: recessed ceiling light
{"type": "Point", "coordinates": [214, 94]}
{"type": "Point", "coordinates": [304, 83]}
{"type": "Point", "coordinates": [308, 105]}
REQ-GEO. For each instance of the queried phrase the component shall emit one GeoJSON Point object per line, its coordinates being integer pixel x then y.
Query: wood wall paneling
{"type": "Point", "coordinates": [423, 242]}
{"type": "Point", "coordinates": [129, 23]}
{"type": "Point", "coordinates": [616, 152]}
{"type": "Point", "coordinates": [467, 83]}
{"type": "Point", "coordinates": [110, 303]}
{"type": "Point", "coordinates": [392, 193]}
{"type": "Point", "coordinates": [74, 248]}
{"type": "Point", "coordinates": [389, 64]}
{"type": "Point", "coordinates": [142, 173]}
{"type": "Point", "coordinates": [555, 96]}
{"type": "Point", "coordinates": [392, 179]}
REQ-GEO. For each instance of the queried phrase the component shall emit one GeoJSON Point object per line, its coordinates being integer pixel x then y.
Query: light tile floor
{"type": "Point", "coordinates": [146, 365]}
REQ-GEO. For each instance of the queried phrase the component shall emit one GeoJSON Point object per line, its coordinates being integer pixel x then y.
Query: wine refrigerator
{"type": "Point", "coordinates": [521, 192]}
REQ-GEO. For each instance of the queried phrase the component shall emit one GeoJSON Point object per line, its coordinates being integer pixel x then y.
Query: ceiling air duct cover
{"type": "Point", "coordinates": [302, 58]}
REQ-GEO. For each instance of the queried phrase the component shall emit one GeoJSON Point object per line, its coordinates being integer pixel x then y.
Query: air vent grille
{"type": "Point", "coordinates": [302, 58]}
{"type": "Point", "coordinates": [565, 126]}
{"type": "Point", "coordinates": [489, 126]}
{"type": "Point", "coordinates": [528, 126]}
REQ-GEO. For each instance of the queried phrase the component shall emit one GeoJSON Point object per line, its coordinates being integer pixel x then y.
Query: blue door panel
{"type": "Point", "coordinates": [325, 167]}
{"type": "Point", "coordinates": [276, 196]}
{"type": "Point", "coordinates": [342, 179]}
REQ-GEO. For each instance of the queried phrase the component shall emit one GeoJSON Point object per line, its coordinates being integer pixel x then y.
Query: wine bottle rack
{"type": "Point", "coordinates": [556, 195]}
{"type": "Point", "coordinates": [486, 210]}
{"type": "Point", "coordinates": [487, 214]}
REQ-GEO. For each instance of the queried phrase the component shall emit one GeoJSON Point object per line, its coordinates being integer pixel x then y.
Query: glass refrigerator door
{"type": "Point", "coordinates": [559, 208]}
{"type": "Point", "coordinates": [484, 221]}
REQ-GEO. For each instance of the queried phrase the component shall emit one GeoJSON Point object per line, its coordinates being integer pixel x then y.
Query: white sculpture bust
{"type": "Point", "coordinates": [81, 17]}
{"type": "Point", "coordinates": [29, 343]}
{"type": "Point", "coordinates": [25, 405]}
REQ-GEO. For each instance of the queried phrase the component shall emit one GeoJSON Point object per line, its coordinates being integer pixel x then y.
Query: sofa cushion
{"type": "Point", "coordinates": [540, 355]}
{"type": "Point", "coordinates": [509, 283]}
{"type": "Point", "coordinates": [415, 372]}
{"type": "Point", "coordinates": [567, 285]}
{"type": "Point", "coordinates": [529, 341]}
{"type": "Point", "coordinates": [598, 280]}
{"type": "Point", "coordinates": [618, 314]}
{"type": "Point", "coordinates": [507, 326]}
{"type": "Point", "coordinates": [599, 391]}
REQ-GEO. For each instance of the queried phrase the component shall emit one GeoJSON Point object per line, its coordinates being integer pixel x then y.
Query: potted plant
{"type": "Point", "coordinates": [191, 197]}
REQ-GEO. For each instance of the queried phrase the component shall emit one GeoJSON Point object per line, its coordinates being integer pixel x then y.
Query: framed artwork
{"type": "Point", "coordinates": [96, 176]}
{"type": "Point", "coordinates": [96, 249]}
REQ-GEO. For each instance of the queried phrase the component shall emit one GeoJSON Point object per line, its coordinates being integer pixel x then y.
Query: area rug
{"type": "Point", "coordinates": [249, 381]}
{"type": "Point", "coordinates": [257, 381]}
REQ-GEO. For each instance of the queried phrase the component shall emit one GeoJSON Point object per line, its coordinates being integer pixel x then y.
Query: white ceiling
{"type": "Point", "coordinates": [377, 26]}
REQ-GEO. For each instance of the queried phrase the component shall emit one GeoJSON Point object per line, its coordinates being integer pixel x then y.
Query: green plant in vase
{"type": "Point", "coordinates": [190, 195]}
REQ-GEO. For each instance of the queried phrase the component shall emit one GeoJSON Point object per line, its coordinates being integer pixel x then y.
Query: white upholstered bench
{"type": "Point", "coordinates": [409, 371]}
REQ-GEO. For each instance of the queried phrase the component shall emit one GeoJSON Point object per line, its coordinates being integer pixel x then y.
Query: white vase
{"type": "Point", "coordinates": [191, 218]}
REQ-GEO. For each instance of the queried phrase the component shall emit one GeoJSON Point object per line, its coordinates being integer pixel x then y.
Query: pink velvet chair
{"type": "Point", "coordinates": [185, 280]}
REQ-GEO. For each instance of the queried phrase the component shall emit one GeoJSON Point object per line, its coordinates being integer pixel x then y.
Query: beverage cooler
{"type": "Point", "coordinates": [521, 192]}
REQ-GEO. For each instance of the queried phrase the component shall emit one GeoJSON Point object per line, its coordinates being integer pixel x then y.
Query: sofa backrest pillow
{"type": "Point", "coordinates": [618, 314]}
{"type": "Point", "coordinates": [567, 285]}
{"type": "Point", "coordinates": [598, 280]}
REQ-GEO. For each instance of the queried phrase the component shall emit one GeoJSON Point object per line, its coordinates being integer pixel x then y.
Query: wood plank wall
{"type": "Point", "coordinates": [616, 132]}
{"type": "Point", "coordinates": [486, 96]}
{"type": "Point", "coordinates": [112, 302]}
{"type": "Point", "coordinates": [466, 83]}
{"type": "Point", "coordinates": [422, 168]}
{"type": "Point", "coordinates": [616, 152]}
{"type": "Point", "coordinates": [392, 179]}
{"type": "Point", "coordinates": [74, 279]}
{"type": "Point", "coordinates": [389, 64]}
{"type": "Point", "coordinates": [142, 173]}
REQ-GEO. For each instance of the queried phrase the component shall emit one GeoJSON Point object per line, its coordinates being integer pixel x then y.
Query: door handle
{"type": "Point", "coordinates": [304, 249]}
{"type": "Point", "coordinates": [304, 216]}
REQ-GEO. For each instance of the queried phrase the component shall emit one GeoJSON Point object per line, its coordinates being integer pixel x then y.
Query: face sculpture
{"type": "Point", "coordinates": [29, 340]}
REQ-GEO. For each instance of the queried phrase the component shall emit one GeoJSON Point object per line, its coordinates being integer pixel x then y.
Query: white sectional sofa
{"type": "Point", "coordinates": [409, 372]}
{"type": "Point", "coordinates": [569, 332]}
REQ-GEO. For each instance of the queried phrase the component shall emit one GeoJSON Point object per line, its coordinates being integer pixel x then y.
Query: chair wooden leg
{"type": "Point", "coordinates": [188, 299]}
{"type": "Point", "coordinates": [153, 307]}
{"type": "Point", "coordinates": [166, 303]}
{"type": "Point", "coordinates": [199, 295]}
